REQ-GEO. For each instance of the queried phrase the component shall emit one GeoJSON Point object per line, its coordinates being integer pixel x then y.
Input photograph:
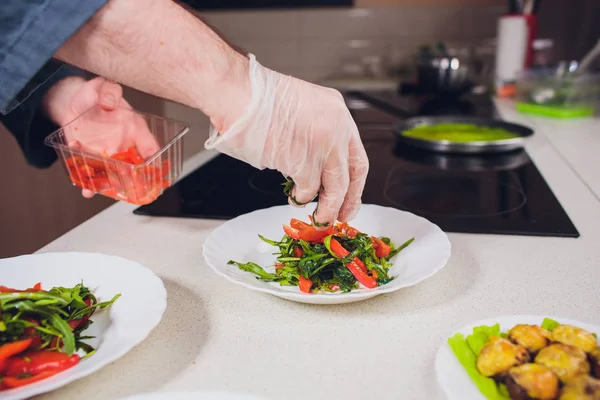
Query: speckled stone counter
{"type": "Point", "coordinates": [218, 336]}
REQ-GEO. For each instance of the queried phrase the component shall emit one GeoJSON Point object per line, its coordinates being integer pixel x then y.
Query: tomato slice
{"type": "Point", "coordinates": [291, 232]}
{"type": "Point", "coordinates": [36, 288]}
{"type": "Point", "coordinates": [297, 224]}
{"type": "Point", "coordinates": [347, 230]}
{"type": "Point", "coordinates": [305, 284]}
{"type": "Point", "coordinates": [382, 249]}
{"type": "Point", "coordinates": [311, 234]}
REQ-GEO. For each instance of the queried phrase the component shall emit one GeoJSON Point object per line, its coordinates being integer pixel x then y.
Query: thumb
{"type": "Point", "coordinates": [110, 95]}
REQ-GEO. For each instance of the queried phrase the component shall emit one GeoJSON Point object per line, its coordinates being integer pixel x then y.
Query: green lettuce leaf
{"type": "Point", "coordinates": [480, 336]}
{"type": "Point", "coordinates": [468, 359]}
{"type": "Point", "coordinates": [549, 324]}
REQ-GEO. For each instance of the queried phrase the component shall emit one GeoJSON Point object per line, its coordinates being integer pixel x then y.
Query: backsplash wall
{"type": "Point", "coordinates": [312, 44]}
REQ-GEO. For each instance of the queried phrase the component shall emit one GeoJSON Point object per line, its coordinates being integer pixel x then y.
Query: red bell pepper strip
{"type": "Point", "coordinates": [10, 349]}
{"type": "Point", "coordinates": [382, 249]}
{"type": "Point", "coordinates": [353, 266]}
{"type": "Point", "coordinates": [305, 284]}
{"type": "Point", "coordinates": [36, 362]}
{"type": "Point", "coordinates": [12, 382]}
{"type": "Point", "coordinates": [342, 250]}
{"type": "Point", "coordinates": [36, 288]}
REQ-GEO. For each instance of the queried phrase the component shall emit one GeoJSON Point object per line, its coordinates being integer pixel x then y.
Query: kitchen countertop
{"type": "Point", "coordinates": [219, 336]}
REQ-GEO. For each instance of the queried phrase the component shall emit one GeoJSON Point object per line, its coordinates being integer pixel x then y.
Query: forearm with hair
{"type": "Point", "coordinates": [158, 47]}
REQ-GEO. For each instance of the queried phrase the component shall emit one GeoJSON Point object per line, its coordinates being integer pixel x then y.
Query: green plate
{"type": "Point", "coordinates": [554, 111]}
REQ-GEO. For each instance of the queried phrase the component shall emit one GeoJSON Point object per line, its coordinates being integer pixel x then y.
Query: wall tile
{"type": "Point", "coordinates": [479, 22]}
{"type": "Point", "coordinates": [273, 53]}
{"type": "Point", "coordinates": [332, 52]}
{"type": "Point", "coordinates": [344, 23]}
{"type": "Point", "coordinates": [256, 24]}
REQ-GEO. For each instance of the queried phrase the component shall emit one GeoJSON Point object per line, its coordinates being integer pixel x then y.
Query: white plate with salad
{"type": "Point", "coordinates": [66, 315]}
{"type": "Point", "coordinates": [279, 251]}
{"type": "Point", "coordinates": [521, 357]}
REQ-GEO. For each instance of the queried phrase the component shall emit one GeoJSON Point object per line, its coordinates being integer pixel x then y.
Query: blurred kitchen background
{"type": "Point", "coordinates": [346, 44]}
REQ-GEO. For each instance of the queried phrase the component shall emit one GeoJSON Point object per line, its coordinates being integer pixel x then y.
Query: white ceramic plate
{"type": "Point", "coordinates": [194, 396]}
{"type": "Point", "coordinates": [117, 329]}
{"type": "Point", "coordinates": [238, 240]}
{"type": "Point", "coordinates": [453, 378]}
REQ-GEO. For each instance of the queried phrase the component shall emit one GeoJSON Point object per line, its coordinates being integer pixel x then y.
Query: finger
{"type": "Point", "coordinates": [305, 190]}
{"type": "Point", "coordinates": [109, 95]}
{"type": "Point", "coordinates": [75, 145]}
{"type": "Point", "coordinates": [145, 142]}
{"type": "Point", "coordinates": [359, 169]}
{"type": "Point", "coordinates": [335, 179]}
{"type": "Point", "coordinates": [306, 174]}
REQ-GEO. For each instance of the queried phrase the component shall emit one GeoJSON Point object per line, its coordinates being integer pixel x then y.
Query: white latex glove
{"type": "Point", "coordinates": [304, 131]}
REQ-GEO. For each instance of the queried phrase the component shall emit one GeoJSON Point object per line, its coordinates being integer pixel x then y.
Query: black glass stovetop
{"type": "Point", "coordinates": [497, 194]}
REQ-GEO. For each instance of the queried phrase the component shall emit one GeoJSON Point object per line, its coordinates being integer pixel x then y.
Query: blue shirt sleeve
{"type": "Point", "coordinates": [31, 31]}
{"type": "Point", "coordinates": [29, 124]}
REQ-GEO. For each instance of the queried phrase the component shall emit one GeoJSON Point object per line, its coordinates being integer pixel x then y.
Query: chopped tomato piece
{"type": "Point", "coordinates": [334, 286]}
{"type": "Point", "coordinates": [305, 284]}
{"type": "Point", "coordinates": [36, 288]}
{"type": "Point", "coordinates": [347, 230]}
{"type": "Point", "coordinates": [382, 249]}
{"type": "Point", "coordinates": [297, 224]}
{"type": "Point", "coordinates": [140, 185]}
{"type": "Point", "coordinates": [291, 232]}
{"type": "Point", "coordinates": [298, 252]}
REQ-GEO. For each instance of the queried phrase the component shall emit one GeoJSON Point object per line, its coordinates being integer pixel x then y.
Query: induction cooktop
{"type": "Point", "coordinates": [495, 194]}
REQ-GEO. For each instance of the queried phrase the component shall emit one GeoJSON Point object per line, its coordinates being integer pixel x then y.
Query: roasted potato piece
{"type": "Point", "coordinates": [532, 337]}
{"type": "Point", "coordinates": [499, 355]}
{"type": "Point", "coordinates": [532, 382]}
{"type": "Point", "coordinates": [567, 362]}
{"type": "Point", "coordinates": [574, 336]}
{"type": "Point", "coordinates": [582, 388]}
{"type": "Point", "coordinates": [595, 361]}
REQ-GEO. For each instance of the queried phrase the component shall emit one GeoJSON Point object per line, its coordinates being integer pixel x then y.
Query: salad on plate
{"type": "Point", "coordinates": [43, 332]}
{"type": "Point", "coordinates": [339, 258]}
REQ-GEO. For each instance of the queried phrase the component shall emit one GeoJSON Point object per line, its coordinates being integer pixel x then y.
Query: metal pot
{"type": "Point", "coordinates": [444, 75]}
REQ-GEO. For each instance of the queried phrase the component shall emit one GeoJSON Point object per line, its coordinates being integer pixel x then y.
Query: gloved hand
{"type": "Point", "coordinates": [110, 130]}
{"type": "Point", "coordinates": [306, 132]}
